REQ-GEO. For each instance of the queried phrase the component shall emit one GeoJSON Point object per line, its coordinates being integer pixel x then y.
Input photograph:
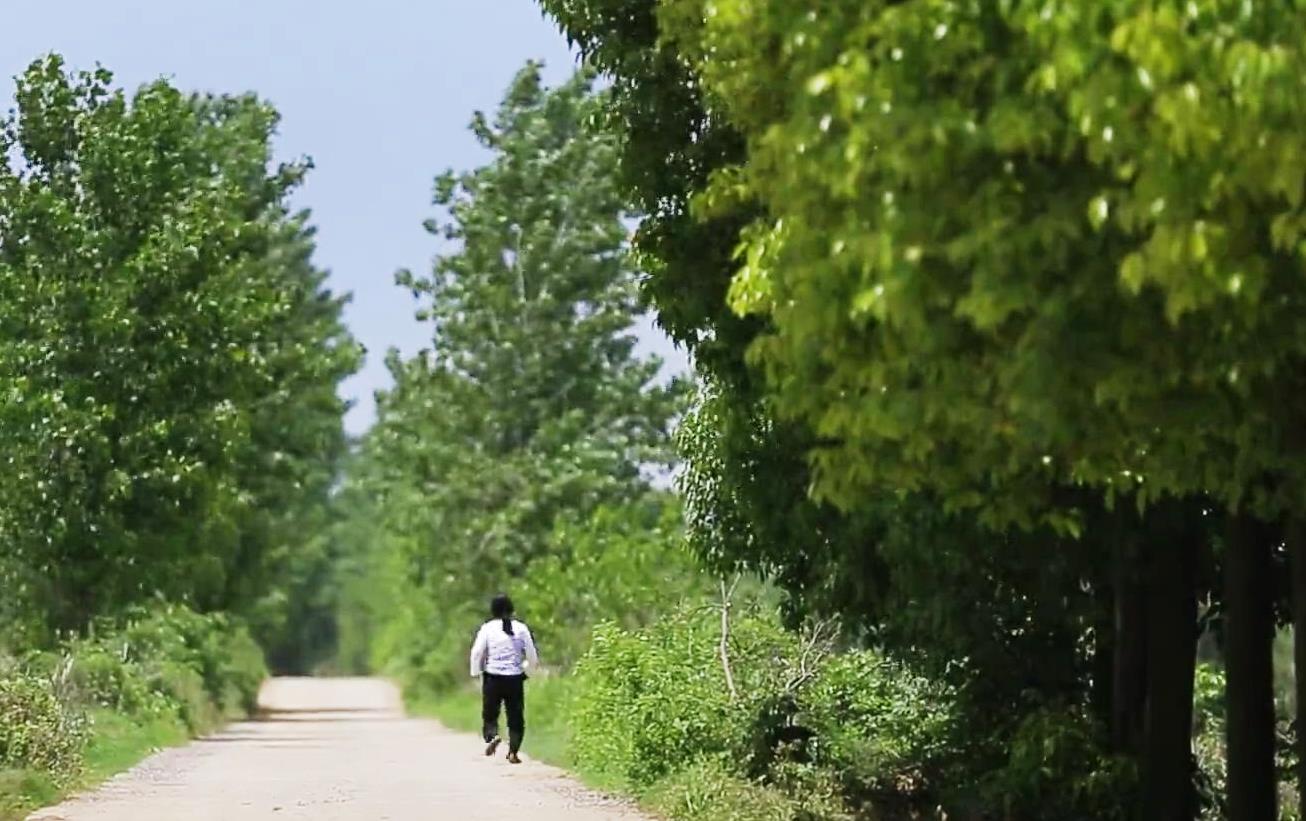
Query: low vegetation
{"type": "Point", "coordinates": [93, 705]}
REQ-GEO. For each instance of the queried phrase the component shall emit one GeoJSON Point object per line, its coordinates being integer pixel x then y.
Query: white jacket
{"type": "Point", "coordinates": [497, 653]}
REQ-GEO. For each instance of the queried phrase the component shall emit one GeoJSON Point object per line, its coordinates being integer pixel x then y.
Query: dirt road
{"type": "Point", "coordinates": [332, 749]}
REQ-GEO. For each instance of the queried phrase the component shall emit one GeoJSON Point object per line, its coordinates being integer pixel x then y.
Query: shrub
{"type": "Point", "coordinates": [704, 789]}
{"type": "Point", "coordinates": [182, 688]}
{"type": "Point", "coordinates": [654, 713]}
{"type": "Point", "coordinates": [235, 668]}
{"type": "Point", "coordinates": [1057, 770]}
{"type": "Point", "coordinates": [201, 668]}
{"type": "Point", "coordinates": [172, 664]}
{"type": "Point", "coordinates": [103, 674]}
{"type": "Point", "coordinates": [652, 700]}
{"type": "Point", "coordinates": [877, 724]}
{"type": "Point", "coordinates": [37, 731]}
{"type": "Point", "coordinates": [221, 654]}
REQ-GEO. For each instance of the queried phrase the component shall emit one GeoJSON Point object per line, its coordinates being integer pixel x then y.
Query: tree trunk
{"type": "Point", "coordinates": [1104, 648]}
{"type": "Point", "coordinates": [1168, 790]}
{"type": "Point", "coordinates": [1249, 636]}
{"type": "Point", "coordinates": [1129, 685]}
{"type": "Point", "coordinates": [1297, 556]}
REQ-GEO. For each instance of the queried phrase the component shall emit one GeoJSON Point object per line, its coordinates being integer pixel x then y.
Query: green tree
{"type": "Point", "coordinates": [160, 324]}
{"type": "Point", "coordinates": [1009, 249]}
{"type": "Point", "coordinates": [624, 564]}
{"type": "Point", "coordinates": [746, 477]}
{"type": "Point", "coordinates": [531, 403]}
{"type": "Point", "coordinates": [890, 565]}
{"type": "Point", "coordinates": [1063, 275]}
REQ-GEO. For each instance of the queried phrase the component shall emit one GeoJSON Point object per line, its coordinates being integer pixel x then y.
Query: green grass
{"type": "Point", "coordinates": [117, 743]}
{"type": "Point", "coordinates": [22, 791]}
{"type": "Point", "coordinates": [547, 733]}
{"type": "Point", "coordinates": [698, 793]}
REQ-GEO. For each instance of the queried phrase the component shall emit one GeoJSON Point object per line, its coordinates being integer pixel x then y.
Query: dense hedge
{"type": "Point", "coordinates": [804, 735]}
{"type": "Point", "coordinates": [171, 664]}
{"type": "Point", "coordinates": [37, 730]}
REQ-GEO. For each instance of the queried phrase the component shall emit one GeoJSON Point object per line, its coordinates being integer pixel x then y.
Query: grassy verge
{"type": "Point", "coordinates": [703, 792]}
{"type": "Point", "coordinates": [116, 744]}
{"type": "Point", "coordinates": [548, 735]}
{"type": "Point", "coordinates": [22, 791]}
{"type": "Point", "coordinates": [119, 743]}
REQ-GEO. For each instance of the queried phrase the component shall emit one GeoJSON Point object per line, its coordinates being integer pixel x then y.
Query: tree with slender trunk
{"type": "Point", "coordinates": [1249, 639]}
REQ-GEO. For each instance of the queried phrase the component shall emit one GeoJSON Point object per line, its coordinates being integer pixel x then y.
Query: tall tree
{"type": "Point", "coordinates": [1000, 251]}
{"type": "Point", "coordinates": [532, 402]}
{"type": "Point", "coordinates": [746, 477]}
{"type": "Point", "coordinates": [1009, 249]}
{"type": "Point", "coordinates": [159, 325]}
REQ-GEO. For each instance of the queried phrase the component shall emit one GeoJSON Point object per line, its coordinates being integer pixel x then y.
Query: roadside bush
{"type": "Point", "coordinates": [182, 689]}
{"type": "Point", "coordinates": [135, 683]}
{"type": "Point", "coordinates": [37, 731]}
{"type": "Point", "coordinates": [178, 648]}
{"type": "Point", "coordinates": [235, 668]}
{"type": "Point", "coordinates": [1057, 770]}
{"type": "Point", "coordinates": [702, 790]}
{"type": "Point", "coordinates": [650, 701]}
{"type": "Point", "coordinates": [199, 668]}
{"type": "Point", "coordinates": [103, 675]}
{"type": "Point", "coordinates": [803, 737]}
{"type": "Point", "coordinates": [883, 729]}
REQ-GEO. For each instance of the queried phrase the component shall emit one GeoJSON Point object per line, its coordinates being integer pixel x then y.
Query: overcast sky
{"type": "Point", "coordinates": [378, 93]}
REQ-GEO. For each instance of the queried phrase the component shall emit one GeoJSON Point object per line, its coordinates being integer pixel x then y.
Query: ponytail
{"type": "Point", "coordinates": [501, 608]}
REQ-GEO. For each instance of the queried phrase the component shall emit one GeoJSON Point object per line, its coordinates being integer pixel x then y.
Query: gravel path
{"type": "Point", "coordinates": [330, 749]}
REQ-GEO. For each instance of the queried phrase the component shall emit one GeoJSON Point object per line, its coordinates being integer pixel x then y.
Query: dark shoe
{"type": "Point", "coordinates": [513, 758]}
{"type": "Point", "coordinates": [493, 746]}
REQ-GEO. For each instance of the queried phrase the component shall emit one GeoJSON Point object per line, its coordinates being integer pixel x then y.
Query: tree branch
{"type": "Point", "coordinates": [726, 594]}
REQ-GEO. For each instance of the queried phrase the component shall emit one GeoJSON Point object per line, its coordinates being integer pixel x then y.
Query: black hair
{"type": "Point", "coordinates": [501, 608]}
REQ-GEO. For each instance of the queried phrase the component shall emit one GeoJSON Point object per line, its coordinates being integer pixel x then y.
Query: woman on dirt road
{"type": "Point", "coordinates": [500, 656]}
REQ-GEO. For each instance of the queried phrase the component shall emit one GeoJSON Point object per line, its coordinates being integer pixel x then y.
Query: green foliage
{"type": "Point", "coordinates": [959, 352]}
{"type": "Point", "coordinates": [745, 489]}
{"type": "Point", "coordinates": [880, 727]}
{"type": "Point", "coordinates": [997, 267]}
{"type": "Point", "coordinates": [531, 411]}
{"type": "Point", "coordinates": [168, 355]}
{"type": "Point", "coordinates": [37, 731]}
{"type": "Point", "coordinates": [115, 742]}
{"type": "Point", "coordinates": [654, 699]}
{"type": "Point", "coordinates": [163, 675]}
{"type": "Point", "coordinates": [368, 572]}
{"type": "Point", "coordinates": [171, 661]}
{"type": "Point", "coordinates": [182, 688]}
{"type": "Point", "coordinates": [708, 787]}
{"type": "Point", "coordinates": [806, 736]}
{"type": "Point", "coordinates": [1209, 747]}
{"type": "Point", "coordinates": [1057, 769]}
{"type": "Point", "coordinates": [625, 565]}
{"type": "Point", "coordinates": [174, 645]}
{"type": "Point", "coordinates": [105, 676]}
{"type": "Point", "coordinates": [1208, 697]}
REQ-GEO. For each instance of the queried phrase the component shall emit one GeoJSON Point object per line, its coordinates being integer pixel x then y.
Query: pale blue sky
{"type": "Point", "coordinates": [378, 93]}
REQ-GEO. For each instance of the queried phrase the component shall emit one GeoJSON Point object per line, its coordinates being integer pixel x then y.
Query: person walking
{"type": "Point", "coordinates": [501, 654]}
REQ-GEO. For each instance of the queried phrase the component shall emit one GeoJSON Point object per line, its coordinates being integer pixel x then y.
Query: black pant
{"type": "Point", "coordinates": [510, 692]}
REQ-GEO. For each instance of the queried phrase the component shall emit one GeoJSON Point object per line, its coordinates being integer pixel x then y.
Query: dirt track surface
{"type": "Point", "coordinates": [336, 749]}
